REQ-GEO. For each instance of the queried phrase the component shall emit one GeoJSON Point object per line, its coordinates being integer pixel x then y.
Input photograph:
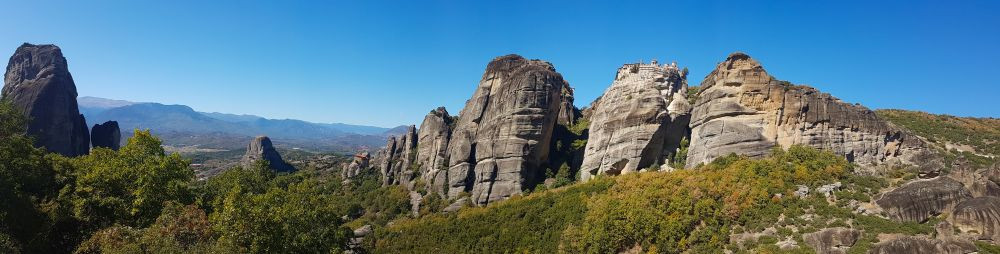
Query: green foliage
{"type": "Point", "coordinates": [695, 209]}
{"type": "Point", "coordinates": [30, 183]}
{"type": "Point", "coordinates": [987, 248]}
{"type": "Point", "coordinates": [281, 220]}
{"type": "Point", "coordinates": [521, 224]}
{"type": "Point", "coordinates": [981, 134]}
{"type": "Point", "coordinates": [129, 186]}
{"type": "Point", "coordinates": [180, 229]}
{"type": "Point", "coordinates": [680, 159]}
{"type": "Point", "coordinates": [692, 94]}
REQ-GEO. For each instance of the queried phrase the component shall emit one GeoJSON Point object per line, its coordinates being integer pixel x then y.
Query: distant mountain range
{"type": "Point", "coordinates": [182, 126]}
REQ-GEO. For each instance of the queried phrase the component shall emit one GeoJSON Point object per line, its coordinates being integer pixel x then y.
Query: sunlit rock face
{"type": "Point", "coordinates": [432, 149]}
{"type": "Point", "coordinates": [638, 122]}
{"type": "Point", "coordinates": [38, 83]}
{"type": "Point", "coordinates": [504, 131]}
{"type": "Point", "coordinates": [742, 109]}
{"type": "Point", "coordinates": [922, 199]}
{"type": "Point", "coordinates": [980, 215]}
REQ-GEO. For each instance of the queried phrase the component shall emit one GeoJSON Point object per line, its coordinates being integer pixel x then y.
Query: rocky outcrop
{"type": "Point", "coordinates": [106, 135]}
{"type": "Point", "coordinates": [260, 148]}
{"type": "Point", "coordinates": [358, 163]}
{"type": "Point", "coordinates": [502, 137]}
{"type": "Point", "coordinates": [742, 109]}
{"type": "Point", "coordinates": [638, 122]}
{"type": "Point", "coordinates": [432, 149]}
{"type": "Point", "coordinates": [832, 240]}
{"type": "Point", "coordinates": [396, 159]}
{"type": "Point", "coordinates": [893, 244]}
{"type": "Point", "coordinates": [980, 215]}
{"type": "Point", "coordinates": [567, 111]}
{"type": "Point", "coordinates": [919, 200]}
{"type": "Point", "coordinates": [38, 83]}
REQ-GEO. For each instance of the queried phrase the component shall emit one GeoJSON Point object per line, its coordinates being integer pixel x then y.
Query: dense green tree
{"type": "Point", "coordinates": [129, 186]}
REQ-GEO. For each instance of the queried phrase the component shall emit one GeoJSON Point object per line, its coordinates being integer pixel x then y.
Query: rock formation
{"type": "Point", "coordinates": [980, 215]}
{"type": "Point", "coordinates": [358, 163]}
{"type": "Point", "coordinates": [893, 244]}
{"type": "Point", "coordinates": [503, 134]}
{"type": "Point", "coordinates": [742, 109]}
{"type": "Point", "coordinates": [639, 121]}
{"type": "Point", "coordinates": [38, 82]}
{"type": "Point", "coordinates": [919, 200]}
{"type": "Point", "coordinates": [396, 159]}
{"type": "Point", "coordinates": [832, 240]}
{"type": "Point", "coordinates": [106, 135]}
{"type": "Point", "coordinates": [432, 149]}
{"type": "Point", "coordinates": [260, 148]}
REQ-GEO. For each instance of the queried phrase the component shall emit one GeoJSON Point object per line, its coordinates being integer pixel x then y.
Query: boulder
{"type": "Point", "coordinates": [832, 240]}
{"type": "Point", "coordinates": [921, 199]}
{"type": "Point", "coordinates": [638, 122]}
{"type": "Point", "coordinates": [502, 137]}
{"type": "Point", "coordinates": [260, 148]}
{"type": "Point", "coordinates": [893, 244]}
{"type": "Point", "coordinates": [38, 83]}
{"type": "Point", "coordinates": [432, 149]}
{"type": "Point", "coordinates": [980, 215]}
{"type": "Point", "coordinates": [106, 135]}
{"type": "Point", "coordinates": [742, 109]}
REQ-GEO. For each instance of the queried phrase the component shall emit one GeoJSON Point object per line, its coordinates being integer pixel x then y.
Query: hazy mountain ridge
{"type": "Point", "coordinates": [180, 125]}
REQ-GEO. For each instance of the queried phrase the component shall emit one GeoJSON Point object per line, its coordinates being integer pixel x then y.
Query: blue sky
{"type": "Point", "coordinates": [388, 63]}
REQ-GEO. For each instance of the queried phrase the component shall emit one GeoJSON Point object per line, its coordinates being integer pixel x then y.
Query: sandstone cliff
{"type": "Point", "coordinates": [638, 122]}
{"type": "Point", "coordinates": [921, 199]}
{"type": "Point", "coordinates": [742, 109]}
{"type": "Point", "coordinates": [260, 148]}
{"type": "Point", "coordinates": [38, 82]}
{"type": "Point", "coordinates": [502, 136]}
{"type": "Point", "coordinates": [432, 149]}
{"type": "Point", "coordinates": [394, 161]}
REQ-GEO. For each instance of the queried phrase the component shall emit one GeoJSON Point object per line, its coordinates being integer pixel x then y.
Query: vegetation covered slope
{"type": "Point", "coordinates": [141, 200]}
{"type": "Point", "coordinates": [975, 139]}
{"type": "Point", "coordinates": [669, 212]}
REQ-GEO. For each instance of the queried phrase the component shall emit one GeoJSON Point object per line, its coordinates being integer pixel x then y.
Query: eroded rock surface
{"type": "Point", "coordinates": [396, 159]}
{"type": "Point", "coordinates": [919, 200]}
{"type": "Point", "coordinates": [895, 244]}
{"type": "Point", "coordinates": [980, 215]}
{"type": "Point", "coordinates": [832, 240]}
{"type": "Point", "coordinates": [432, 149]}
{"type": "Point", "coordinates": [38, 83]}
{"type": "Point", "coordinates": [504, 131]}
{"type": "Point", "coordinates": [358, 163]}
{"type": "Point", "coordinates": [106, 135]}
{"type": "Point", "coordinates": [638, 122]}
{"type": "Point", "coordinates": [260, 148]}
{"type": "Point", "coordinates": [742, 109]}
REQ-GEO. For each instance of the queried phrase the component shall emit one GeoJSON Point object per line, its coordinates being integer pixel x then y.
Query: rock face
{"type": "Point", "coordinates": [503, 134]}
{"type": "Point", "coordinates": [38, 82]}
{"type": "Point", "coordinates": [742, 109]}
{"type": "Point", "coordinates": [832, 240]}
{"type": "Point", "coordinates": [106, 135]}
{"type": "Point", "coordinates": [921, 199]}
{"type": "Point", "coordinates": [981, 215]}
{"type": "Point", "coordinates": [922, 245]}
{"type": "Point", "coordinates": [639, 121]}
{"type": "Point", "coordinates": [260, 148]}
{"type": "Point", "coordinates": [358, 163]}
{"type": "Point", "coordinates": [432, 149]}
{"type": "Point", "coordinates": [396, 158]}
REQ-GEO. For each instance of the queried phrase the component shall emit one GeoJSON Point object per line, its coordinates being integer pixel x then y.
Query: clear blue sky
{"type": "Point", "coordinates": [388, 63]}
